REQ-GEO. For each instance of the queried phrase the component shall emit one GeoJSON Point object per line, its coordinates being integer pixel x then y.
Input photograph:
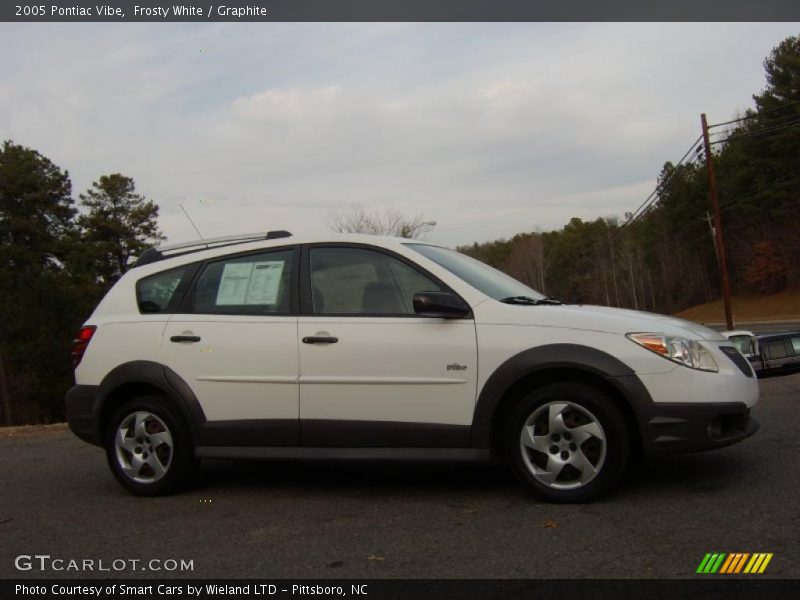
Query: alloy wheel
{"type": "Point", "coordinates": [143, 447]}
{"type": "Point", "coordinates": [563, 445]}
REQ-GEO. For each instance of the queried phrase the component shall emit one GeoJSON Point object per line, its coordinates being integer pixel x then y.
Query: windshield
{"type": "Point", "coordinates": [488, 280]}
{"type": "Point", "coordinates": [743, 343]}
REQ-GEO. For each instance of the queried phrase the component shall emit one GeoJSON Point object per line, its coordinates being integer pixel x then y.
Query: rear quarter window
{"type": "Point", "coordinates": [160, 293]}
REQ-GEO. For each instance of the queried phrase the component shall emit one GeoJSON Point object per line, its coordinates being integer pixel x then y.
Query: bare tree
{"type": "Point", "coordinates": [357, 219]}
{"type": "Point", "coordinates": [528, 260]}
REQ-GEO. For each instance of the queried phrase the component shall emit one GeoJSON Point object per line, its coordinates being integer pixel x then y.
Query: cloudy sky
{"type": "Point", "coordinates": [488, 129]}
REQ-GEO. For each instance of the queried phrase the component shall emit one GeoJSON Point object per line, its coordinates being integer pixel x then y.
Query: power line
{"type": "Point", "coordinates": [654, 196]}
{"type": "Point", "coordinates": [663, 182]}
{"type": "Point", "coordinates": [648, 203]}
{"type": "Point", "coordinates": [754, 115]}
{"type": "Point", "coordinates": [699, 158]}
{"type": "Point", "coordinates": [772, 123]}
{"type": "Point", "coordinates": [794, 121]}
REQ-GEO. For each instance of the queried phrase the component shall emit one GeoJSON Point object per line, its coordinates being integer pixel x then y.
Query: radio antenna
{"type": "Point", "coordinates": [200, 235]}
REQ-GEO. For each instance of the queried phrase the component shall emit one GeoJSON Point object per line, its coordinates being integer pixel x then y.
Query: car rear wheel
{"type": "Point", "coordinates": [148, 448]}
{"type": "Point", "coordinates": [568, 442]}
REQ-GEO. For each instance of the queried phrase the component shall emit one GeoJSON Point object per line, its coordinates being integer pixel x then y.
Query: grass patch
{"type": "Point", "coordinates": [784, 306]}
{"type": "Point", "coordinates": [30, 430]}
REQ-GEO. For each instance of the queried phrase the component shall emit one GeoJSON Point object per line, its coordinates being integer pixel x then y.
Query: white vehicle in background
{"type": "Point", "coordinates": [351, 346]}
{"type": "Point", "coordinates": [746, 342]}
{"type": "Point", "coordinates": [777, 352]}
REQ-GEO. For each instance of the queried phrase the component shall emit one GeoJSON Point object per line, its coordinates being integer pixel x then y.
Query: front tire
{"type": "Point", "coordinates": [148, 448]}
{"type": "Point", "coordinates": [567, 442]}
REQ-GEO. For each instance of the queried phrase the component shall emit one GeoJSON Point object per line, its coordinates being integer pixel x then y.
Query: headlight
{"type": "Point", "coordinates": [677, 349]}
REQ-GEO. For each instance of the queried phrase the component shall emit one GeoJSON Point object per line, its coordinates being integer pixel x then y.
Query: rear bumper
{"type": "Point", "coordinates": [692, 427]}
{"type": "Point", "coordinates": [81, 401]}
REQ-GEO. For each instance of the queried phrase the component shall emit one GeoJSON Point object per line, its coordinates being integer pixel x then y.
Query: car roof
{"type": "Point", "coordinates": [182, 253]}
{"type": "Point", "coordinates": [734, 332]}
{"type": "Point", "coordinates": [781, 334]}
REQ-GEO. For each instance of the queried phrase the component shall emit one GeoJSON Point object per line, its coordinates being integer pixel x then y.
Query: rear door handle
{"type": "Point", "coordinates": [185, 338]}
{"type": "Point", "coordinates": [320, 339]}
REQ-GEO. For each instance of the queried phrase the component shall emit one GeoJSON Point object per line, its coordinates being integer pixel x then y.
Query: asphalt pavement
{"type": "Point", "coordinates": [411, 520]}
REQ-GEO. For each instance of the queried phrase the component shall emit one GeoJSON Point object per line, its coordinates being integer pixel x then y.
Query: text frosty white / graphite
{"type": "Point", "coordinates": [187, 10]}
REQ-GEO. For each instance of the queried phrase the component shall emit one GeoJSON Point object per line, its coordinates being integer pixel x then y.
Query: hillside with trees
{"type": "Point", "coordinates": [663, 258]}
{"type": "Point", "coordinates": [58, 256]}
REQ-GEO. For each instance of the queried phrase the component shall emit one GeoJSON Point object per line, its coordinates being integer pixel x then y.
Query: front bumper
{"type": "Point", "coordinates": [695, 410]}
{"type": "Point", "coordinates": [81, 402]}
{"type": "Point", "coordinates": [692, 426]}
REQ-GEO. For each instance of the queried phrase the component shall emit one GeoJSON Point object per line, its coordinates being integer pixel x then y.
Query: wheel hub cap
{"type": "Point", "coordinates": [143, 447]}
{"type": "Point", "coordinates": [563, 445]}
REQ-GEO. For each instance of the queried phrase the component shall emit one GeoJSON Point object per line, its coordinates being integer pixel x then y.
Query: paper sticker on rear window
{"type": "Point", "coordinates": [250, 283]}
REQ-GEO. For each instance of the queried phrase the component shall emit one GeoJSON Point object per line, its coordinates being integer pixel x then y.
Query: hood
{"type": "Point", "coordinates": [594, 318]}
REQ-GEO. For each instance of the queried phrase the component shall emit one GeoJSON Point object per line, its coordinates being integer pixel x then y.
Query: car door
{"type": "Point", "coordinates": [372, 372]}
{"type": "Point", "coordinates": [235, 345]}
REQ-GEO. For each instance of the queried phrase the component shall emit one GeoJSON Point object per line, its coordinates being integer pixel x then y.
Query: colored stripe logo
{"type": "Point", "coordinates": [734, 563]}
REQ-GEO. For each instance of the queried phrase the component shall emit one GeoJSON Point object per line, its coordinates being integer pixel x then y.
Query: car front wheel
{"type": "Point", "coordinates": [568, 442]}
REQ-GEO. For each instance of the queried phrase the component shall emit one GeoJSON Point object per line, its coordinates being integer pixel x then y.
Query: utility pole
{"type": "Point", "coordinates": [713, 235]}
{"type": "Point", "coordinates": [720, 242]}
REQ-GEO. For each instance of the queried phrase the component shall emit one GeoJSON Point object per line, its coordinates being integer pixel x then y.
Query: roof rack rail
{"type": "Point", "coordinates": [157, 253]}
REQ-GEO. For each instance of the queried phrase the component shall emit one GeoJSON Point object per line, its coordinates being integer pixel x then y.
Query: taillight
{"type": "Point", "coordinates": [80, 343]}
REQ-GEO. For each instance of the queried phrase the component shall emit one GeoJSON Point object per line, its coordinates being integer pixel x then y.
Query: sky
{"type": "Point", "coordinates": [488, 129]}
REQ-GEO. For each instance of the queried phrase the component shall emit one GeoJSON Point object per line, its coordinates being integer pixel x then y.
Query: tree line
{"type": "Point", "coordinates": [57, 259]}
{"type": "Point", "coordinates": [663, 258]}
{"type": "Point", "coordinates": [59, 255]}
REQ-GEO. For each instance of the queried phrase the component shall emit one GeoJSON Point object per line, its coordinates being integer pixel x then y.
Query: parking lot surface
{"type": "Point", "coordinates": [411, 520]}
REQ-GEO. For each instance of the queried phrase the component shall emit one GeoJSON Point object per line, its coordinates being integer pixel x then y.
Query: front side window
{"type": "Point", "coordinates": [158, 293]}
{"type": "Point", "coordinates": [481, 276]}
{"type": "Point", "coordinates": [356, 281]}
{"type": "Point", "coordinates": [255, 284]}
{"type": "Point", "coordinates": [796, 345]}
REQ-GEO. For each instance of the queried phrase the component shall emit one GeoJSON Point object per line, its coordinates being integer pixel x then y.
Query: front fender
{"type": "Point", "coordinates": [553, 357]}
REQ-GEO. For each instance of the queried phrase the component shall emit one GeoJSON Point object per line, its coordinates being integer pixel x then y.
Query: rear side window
{"type": "Point", "coordinates": [777, 349]}
{"type": "Point", "coordinates": [160, 293]}
{"type": "Point", "coordinates": [255, 284]}
{"type": "Point", "coordinates": [796, 345]}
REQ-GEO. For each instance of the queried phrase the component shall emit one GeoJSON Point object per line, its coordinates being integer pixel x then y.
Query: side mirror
{"type": "Point", "coordinates": [440, 304]}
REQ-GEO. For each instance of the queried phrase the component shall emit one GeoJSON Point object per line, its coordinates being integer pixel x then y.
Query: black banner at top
{"type": "Point", "coordinates": [397, 10]}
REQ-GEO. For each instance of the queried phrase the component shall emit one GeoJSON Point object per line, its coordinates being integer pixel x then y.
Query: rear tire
{"type": "Point", "coordinates": [149, 448]}
{"type": "Point", "coordinates": [567, 442]}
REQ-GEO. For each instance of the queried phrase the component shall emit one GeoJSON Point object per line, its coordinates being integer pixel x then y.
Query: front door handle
{"type": "Point", "coordinates": [185, 338]}
{"type": "Point", "coordinates": [320, 339]}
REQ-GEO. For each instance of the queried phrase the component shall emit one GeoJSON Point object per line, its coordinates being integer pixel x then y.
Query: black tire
{"type": "Point", "coordinates": [180, 462]}
{"type": "Point", "coordinates": [584, 404]}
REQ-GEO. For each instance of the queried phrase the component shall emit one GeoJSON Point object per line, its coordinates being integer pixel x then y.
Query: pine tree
{"type": "Point", "coordinates": [118, 225]}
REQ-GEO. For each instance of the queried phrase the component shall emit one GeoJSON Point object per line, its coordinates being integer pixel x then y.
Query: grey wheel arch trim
{"type": "Point", "coordinates": [551, 357]}
{"type": "Point", "coordinates": [160, 377]}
